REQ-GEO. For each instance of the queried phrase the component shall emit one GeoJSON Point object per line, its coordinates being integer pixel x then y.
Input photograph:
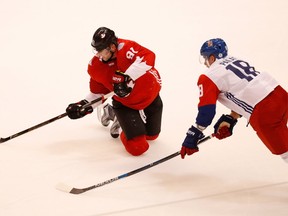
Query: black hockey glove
{"type": "Point", "coordinates": [120, 81]}
{"type": "Point", "coordinates": [77, 110]}
{"type": "Point", "coordinates": [189, 145]}
{"type": "Point", "coordinates": [224, 131]}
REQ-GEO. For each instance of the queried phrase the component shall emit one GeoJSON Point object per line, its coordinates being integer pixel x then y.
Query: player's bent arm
{"type": "Point", "coordinates": [137, 69]}
{"type": "Point", "coordinates": [91, 96]}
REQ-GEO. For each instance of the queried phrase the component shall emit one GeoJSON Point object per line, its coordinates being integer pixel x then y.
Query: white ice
{"type": "Point", "coordinates": [44, 51]}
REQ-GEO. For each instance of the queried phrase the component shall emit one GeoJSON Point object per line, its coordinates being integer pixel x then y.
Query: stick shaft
{"type": "Point", "coordinates": [82, 190]}
{"type": "Point", "coordinates": [154, 163]}
{"type": "Point", "coordinates": [52, 119]}
{"type": "Point", "coordinates": [33, 128]}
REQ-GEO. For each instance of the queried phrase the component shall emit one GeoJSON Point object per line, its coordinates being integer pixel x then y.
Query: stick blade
{"type": "Point", "coordinates": [3, 140]}
{"type": "Point", "coordinates": [77, 191]}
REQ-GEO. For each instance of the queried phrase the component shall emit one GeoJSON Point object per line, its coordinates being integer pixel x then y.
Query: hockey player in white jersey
{"type": "Point", "coordinates": [236, 84]}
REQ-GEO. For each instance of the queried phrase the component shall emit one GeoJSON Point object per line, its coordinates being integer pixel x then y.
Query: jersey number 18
{"type": "Point", "coordinates": [242, 69]}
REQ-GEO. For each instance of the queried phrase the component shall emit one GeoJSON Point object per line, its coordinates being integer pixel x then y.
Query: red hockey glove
{"type": "Point", "coordinates": [223, 132]}
{"type": "Point", "coordinates": [120, 81]}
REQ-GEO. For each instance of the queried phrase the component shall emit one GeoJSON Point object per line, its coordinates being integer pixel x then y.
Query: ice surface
{"type": "Point", "coordinates": [45, 49]}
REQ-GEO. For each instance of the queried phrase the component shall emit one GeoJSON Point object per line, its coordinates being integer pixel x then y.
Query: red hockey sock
{"type": "Point", "coordinates": [151, 137]}
{"type": "Point", "coordinates": [135, 146]}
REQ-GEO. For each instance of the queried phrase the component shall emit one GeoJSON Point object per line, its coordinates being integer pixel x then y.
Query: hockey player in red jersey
{"type": "Point", "coordinates": [246, 92]}
{"type": "Point", "coordinates": [127, 68]}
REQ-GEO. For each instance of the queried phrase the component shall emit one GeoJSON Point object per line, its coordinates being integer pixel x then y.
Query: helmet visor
{"type": "Point", "coordinates": [104, 54]}
{"type": "Point", "coordinates": [202, 59]}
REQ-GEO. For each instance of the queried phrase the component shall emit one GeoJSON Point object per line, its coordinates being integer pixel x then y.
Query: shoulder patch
{"type": "Point", "coordinates": [120, 46]}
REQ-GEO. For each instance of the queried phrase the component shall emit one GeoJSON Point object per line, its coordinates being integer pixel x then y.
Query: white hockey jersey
{"type": "Point", "coordinates": [240, 86]}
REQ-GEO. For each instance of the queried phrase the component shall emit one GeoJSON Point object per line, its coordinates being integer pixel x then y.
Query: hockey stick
{"type": "Point", "coordinates": [72, 190]}
{"type": "Point", "coordinates": [53, 119]}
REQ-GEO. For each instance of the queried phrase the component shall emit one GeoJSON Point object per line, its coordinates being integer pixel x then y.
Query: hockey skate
{"type": "Point", "coordinates": [107, 117]}
{"type": "Point", "coordinates": [115, 128]}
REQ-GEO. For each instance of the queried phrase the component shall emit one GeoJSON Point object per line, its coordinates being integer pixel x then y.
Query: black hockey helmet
{"type": "Point", "coordinates": [102, 38]}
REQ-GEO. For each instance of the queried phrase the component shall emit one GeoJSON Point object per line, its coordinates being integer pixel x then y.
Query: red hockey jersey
{"type": "Point", "coordinates": [134, 60]}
